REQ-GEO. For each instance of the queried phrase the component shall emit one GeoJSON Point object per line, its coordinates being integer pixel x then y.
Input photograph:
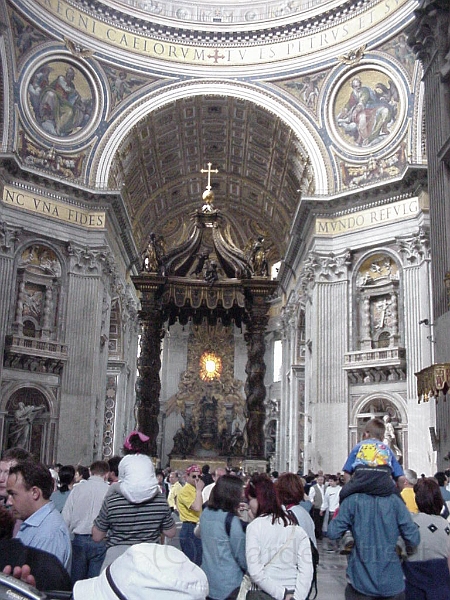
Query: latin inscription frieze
{"type": "Point", "coordinates": [218, 55]}
{"type": "Point", "coordinates": [53, 208]}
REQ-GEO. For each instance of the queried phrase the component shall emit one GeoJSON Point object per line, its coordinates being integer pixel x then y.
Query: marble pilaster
{"type": "Point", "coordinates": [327, 312]}
{"type": "Point", "coordinates": [419, 342]}
{"type": "Point", "coordinates": [294, 399]}
{"type": "Point", "coordinates": [286, 384]}
{"type": "Point", "coordinates": [83, 380]}
{"type": "Point", "coordinates": [430, 39]}
{"type": "Point", "coordinates": [8, 240]}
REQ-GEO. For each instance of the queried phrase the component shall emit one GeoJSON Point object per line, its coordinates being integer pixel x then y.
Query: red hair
{"type": "Point", "coordinates": [261, 488]}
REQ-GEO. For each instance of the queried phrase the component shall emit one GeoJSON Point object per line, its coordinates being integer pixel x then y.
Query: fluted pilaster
{"type": "Point", "coordinates": [327, 313]}
{"type": "Point", "coordinates": [417, 306]}
{"type": "Point", "coordinates": [83, 378]}
{"type": "Point", "coordinates": [430, 39]}
{"type": "Point", "coordinates": [9, 238]}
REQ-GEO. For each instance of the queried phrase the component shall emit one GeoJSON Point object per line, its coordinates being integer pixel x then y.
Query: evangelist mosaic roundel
{"type": "Point", "coordinates": [367, 110]}
{"type": "Point", "coordinates": [61, 98]}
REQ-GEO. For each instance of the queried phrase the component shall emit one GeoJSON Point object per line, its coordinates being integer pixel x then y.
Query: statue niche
{"type": "Point", "coordinates": [38, 293]}
{"type": "Point", "coordinates": [377, 286]}
{"type": "Point", "coordinates": [27, 421]}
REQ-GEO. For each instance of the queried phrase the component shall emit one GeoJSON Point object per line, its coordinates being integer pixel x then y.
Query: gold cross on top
{"type": "Point", "coordinates": [209, 171]}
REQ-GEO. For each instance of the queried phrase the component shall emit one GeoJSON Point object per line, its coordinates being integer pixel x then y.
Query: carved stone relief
{"type": "Point", "coordinates": [377, 286]}
{"type": "Point", "coordinates": [115, 330]}
{"type": "Point", "coordinates": [109, 416]}
{"type": "Point", "coordinates": [323, 267]}
{"type": "Point", "coordinates": [415, 248]}
{"type": "Point", "coordinates": [9, 237]}
{"type": "Point", "coordinates": [69, 165]}
{"type": "Point", "coordinates": [374, 169]}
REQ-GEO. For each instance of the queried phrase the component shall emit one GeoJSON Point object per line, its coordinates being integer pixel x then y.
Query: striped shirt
{"type": "Point", "coordinates": [128, 523]}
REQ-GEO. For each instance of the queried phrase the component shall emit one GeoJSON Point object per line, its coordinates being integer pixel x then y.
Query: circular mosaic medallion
{"type": "Point", "coordinates": [62, 100]}
{"type": "Point", "coordinates": [367, 110]}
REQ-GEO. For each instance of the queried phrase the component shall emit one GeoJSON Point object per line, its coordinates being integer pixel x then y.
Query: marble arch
{"type": "Point", "coordinates": [392, 398]}
{"type": "Point", "coordinates": [10, 391]}
{"type": "Point", "coordinates": [310, 140]}
{"type": "Point", "coordinates": [372, 252]}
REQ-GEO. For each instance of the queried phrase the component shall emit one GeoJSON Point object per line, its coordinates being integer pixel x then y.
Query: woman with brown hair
{"type": "Point", "coordinates": [427, 570]}
{"type": "Point", "coordinates": [291, 493]}
{"type": "Point", "coordinates": [223, 539]}
{"type": "Point", "coordinates": [278, 552]}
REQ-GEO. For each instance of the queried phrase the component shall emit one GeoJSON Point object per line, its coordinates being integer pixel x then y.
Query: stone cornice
{"type": "Point", "coordinates": [299, 24]}
{"type": "Point", "coordinates": [78, 196]}
{"type": "Point", "coordinates": [412, 183]}
{"type": "Point", "coordinates": [426, 33]}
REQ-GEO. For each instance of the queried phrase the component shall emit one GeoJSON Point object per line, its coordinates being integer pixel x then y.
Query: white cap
{"type": "Point", "coordinates": [147, 571]}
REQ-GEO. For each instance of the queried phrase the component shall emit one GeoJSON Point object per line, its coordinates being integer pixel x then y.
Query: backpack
{"type": "Point", "coordinates": [312, 594]}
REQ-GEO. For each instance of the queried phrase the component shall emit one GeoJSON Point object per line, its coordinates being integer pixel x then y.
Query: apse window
{"type": "Point", "coordinates": [210, 366]}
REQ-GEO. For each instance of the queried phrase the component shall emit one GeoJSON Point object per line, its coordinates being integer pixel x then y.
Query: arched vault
{"type": "Point", "coordinates": [265, 152]}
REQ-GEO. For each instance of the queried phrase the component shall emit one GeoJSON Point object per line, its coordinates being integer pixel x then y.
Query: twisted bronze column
{"type": "Point", "coordinates": [148, 385]}
{"type": "Point", "coordinates": [255, 388]}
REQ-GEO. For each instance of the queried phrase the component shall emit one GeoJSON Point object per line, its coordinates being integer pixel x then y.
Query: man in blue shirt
{"type": "Point", "coordinates": [376, 522]}
{"type": "Point", "coordinates": [29, 488]}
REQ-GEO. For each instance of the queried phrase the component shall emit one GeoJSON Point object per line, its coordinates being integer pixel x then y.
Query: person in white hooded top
{"type": "Point", "coordinates": [144, 571]}
{"type": "Point", "coordinates": [147, 571]}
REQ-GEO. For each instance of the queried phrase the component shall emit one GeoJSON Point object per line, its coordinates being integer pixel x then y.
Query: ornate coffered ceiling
{"type": "Point", "coordinates": [261, 169]}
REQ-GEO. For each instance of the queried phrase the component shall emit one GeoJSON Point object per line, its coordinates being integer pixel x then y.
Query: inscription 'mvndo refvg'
{"type": "Point", "coordinates": [368, 218]}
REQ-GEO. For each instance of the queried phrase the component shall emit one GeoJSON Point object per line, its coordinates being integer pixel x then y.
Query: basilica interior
{"type": "Point", "coordinates": [225, 224]}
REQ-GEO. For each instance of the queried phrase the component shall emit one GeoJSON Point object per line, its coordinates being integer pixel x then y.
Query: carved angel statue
{"type": "Point", "coordinates": [258, 258]}
{"type": "Point", "coordinates": [153, 256]}
{"type": "Point", "coordinates": [211, 275]}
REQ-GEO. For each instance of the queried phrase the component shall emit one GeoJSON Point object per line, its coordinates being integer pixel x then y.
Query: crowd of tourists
{"type": "Point", "coordinates": [106, 532]}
